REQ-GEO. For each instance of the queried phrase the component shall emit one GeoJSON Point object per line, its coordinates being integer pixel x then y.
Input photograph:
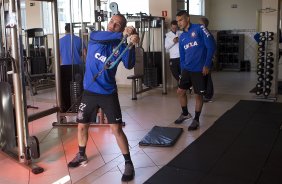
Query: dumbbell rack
{"type": "Point", "coordinates": [265, 67]}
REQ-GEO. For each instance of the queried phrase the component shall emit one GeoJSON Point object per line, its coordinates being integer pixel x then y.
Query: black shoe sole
{"type": "Point", "coordinates": [79, 164]}
{"type": "Point", "coordinates": [126, 178]}
{"type": "Point", "coordinates": [176, 122]}
{"type": "Point", "coordinates": [192, 128]}
{"type": "Point", "coordinates": [179, 122]}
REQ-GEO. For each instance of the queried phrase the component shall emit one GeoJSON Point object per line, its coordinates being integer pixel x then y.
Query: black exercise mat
{"type": "Point", "coordinates": [243, 146]}
{"type": "Point", "coordinates": [161, 136]}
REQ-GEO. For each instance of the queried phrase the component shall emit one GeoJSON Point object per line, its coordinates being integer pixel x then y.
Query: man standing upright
{"type": "Point", "coordinates": [197, 47]}
{"type": "Point", "coordinates": [172, 45]}
{"type": "Point", "coordinates": [100, 88]}
{"type": "Point", "coordinates": [71, 53]}
{"type": "Point", "coordinates": [209, 84]}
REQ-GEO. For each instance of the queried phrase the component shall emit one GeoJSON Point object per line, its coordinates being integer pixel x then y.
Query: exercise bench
{"type": "Point", "coordinates": [137, 85]}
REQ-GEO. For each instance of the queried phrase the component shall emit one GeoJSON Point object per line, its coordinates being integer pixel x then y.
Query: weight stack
{"type": "Point", "coordinates": [150, 77]}
{"type": "Point", "coordinates": [67, 72]}
{"type": "Point", "coordinates": [75, 94]}
{"type": "Point", "coordinates": [3, 70]}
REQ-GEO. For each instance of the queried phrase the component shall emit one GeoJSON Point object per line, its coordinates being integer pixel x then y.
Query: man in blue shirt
{"type": "Point", "coordinates": [196, 47]}
{"type": "Point", "coordinates": [72, 64]}
{"type": "Point", "coordinates": [71, 55]}
{"type": "Point", "coordinates": [209, 83]}
{"type": "Point", "coordinates": [100, 89]}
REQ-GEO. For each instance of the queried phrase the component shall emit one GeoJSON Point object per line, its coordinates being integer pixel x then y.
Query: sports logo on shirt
{"type": "Point", "coordinates": [205, 31]}
{"type": "Point", "coordinates": [193, 34]}
{"type": "Point", "coordinates": [190, 44]}
{"type": "Point", "coordinates": [100, 58]}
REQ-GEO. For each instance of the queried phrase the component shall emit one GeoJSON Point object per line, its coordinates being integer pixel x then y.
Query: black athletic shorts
{"type": "Point", "coordinates": [174, 65]}
{"type": "Point", "coordinates": [192, 79]}
{"type": "Point", "coordinates": [91, 102]}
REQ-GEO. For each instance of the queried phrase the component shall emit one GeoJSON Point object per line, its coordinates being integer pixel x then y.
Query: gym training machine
{"type": "Point", "coordinates": [14, 119]}
{"type": "Point", "coordinates": [149, 69]}
{"type": "Point", "coordinates": [38, 63]}
{"type": "Point", "coordinates": [15, 139]}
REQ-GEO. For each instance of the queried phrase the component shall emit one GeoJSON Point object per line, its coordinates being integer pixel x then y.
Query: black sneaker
{"type": "Point", "coordinates": [78, 161]}
{"type": "Point", "coordinates": [182, 118]}
{"type": "Point", "coordinates": [194, 125]}
{"type": "Point", "coordinates": [129, 172]}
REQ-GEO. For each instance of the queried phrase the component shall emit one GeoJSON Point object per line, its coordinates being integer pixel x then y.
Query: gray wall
{"type": "Point", "coordinates": [223, 17]}
{"type": "Point", "coordinates": [33, 15]}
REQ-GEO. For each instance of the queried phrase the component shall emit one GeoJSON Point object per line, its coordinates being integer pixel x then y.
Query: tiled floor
{"type": "Point", "coordinates": [59, 144]}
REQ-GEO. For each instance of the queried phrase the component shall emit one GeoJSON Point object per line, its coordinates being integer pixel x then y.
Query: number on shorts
{"type": "Point", "coordinates": [82, 106]}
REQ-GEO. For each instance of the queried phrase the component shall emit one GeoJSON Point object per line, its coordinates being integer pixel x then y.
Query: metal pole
{"type": "Point", "coordinates": [56, 54]}
{"type": "Point", "coordinates": [276, 65]}
{"type": "Point", "coordinates": [1, 33]}
{"type": "Point", "coordinates": [187, 4]}
{"type": "Point", "coordinates": [27, 50]}
{"type": "Point", "coordinates": [97, 6]}
{"type": "Point", "coordinates": [20, 111]}
{"type": "Point", "coordinates": [82, 33]}
{"type": "Point", "coordinates": [71, 41]}
{"type": "Point", "coordinates": [46, 52]}
{"type": "Point", "coordinates": [3, 28]}
{"type": "Point", "coordinates": [134, 96]}
{"type": "Point", "coordinates": [163, 57]}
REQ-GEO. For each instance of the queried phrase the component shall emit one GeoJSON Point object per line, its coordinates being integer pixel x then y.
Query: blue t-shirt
{"type": "Point", "coordinates": [65, 50]}
{"type": "Point", "coordinates": [100, 47]}
{"type": "Point", "coordinates": [197, 47]}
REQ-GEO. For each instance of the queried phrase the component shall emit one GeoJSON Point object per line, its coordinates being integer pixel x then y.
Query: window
{"type": "Point", "coordinates": [23, 14]}
{"type": "Point", "coordinates": [196, 7]}
{"type": "Point", "coordinates": [88, 11]}
{"type": "Point", "coordinates": [64, 13]}
{"type": "Point", "coordinates": [47, 17]}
